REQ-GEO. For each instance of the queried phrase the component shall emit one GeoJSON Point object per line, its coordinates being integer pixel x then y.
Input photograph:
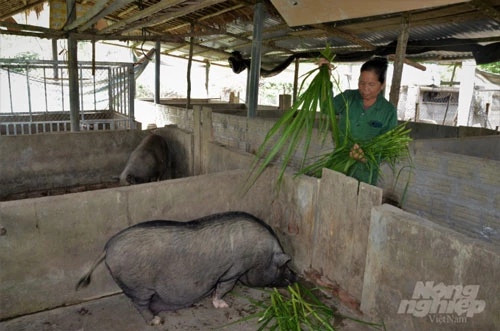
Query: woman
{"type": "Point", "coordinates": [370, 114]}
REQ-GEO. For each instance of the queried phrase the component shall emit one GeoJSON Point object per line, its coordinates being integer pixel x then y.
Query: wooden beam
{"type": "Point", "coordinates": [248, 42]}
{"type": "Point", "coordinates": [161, 19]}
{"type": "Point", "coordinates": [89, 36]}
{"type": "Point", "coordinates": [449, 14]}
{"type": "Point", "coordinates": [190, 63]}
{"type": "Point", "coordinates": [267, 42]}
{"type": "Point", "coordinates": [112, 7]}
{"type": "Point", "coordinates": [27, 27]}
{"type": "Point", "coordinates": [409, 62]}
{"type": "Point", "coordinates": [206, 17]}
{"type": "Point", "coordinates": [204, 48]}
{"type": "Point", "coordinates": [157, 72]}
{"type": "Point", "coordinates": [142, 14]}
{"type": "Point", "coordinates": [399, 59]}
{"type": "Point", "coordinates": [22, 9]}
{"type": "Point", "coordinates": [96, 9]}
{"type": "Point", "coordinates": [31, 34]}
{"type": "Point", "coordinates": [485, 8]}
{"type": "Point", "coordinates": [344, 35]}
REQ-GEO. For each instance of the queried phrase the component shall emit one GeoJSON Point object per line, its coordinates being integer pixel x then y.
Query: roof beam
{"type": "Point", "coordinates": [449, 14]}
{"type": "Point", "coordinates": [267, 43]}
{"type": "Point", "coordinates": [206, 17]}
{"type": "Point", "coordinates": [160, 19]}
{"type": "Point", "coordinates": [100, 10]}
{"type": "Point", "coordinates": [204, 48]}
{"type": "Point", "coordinates": [486, 9]}
{"type": "Point", "coordinates": [344, 35]}
{"type": "Point", "coordinates": [30, 30]}
{"type": "Point", "coordinates": [37, 31]}
{"type": "Point", "coordinates": [142, 14]}
{"type": "Point", "coordinates": [22, 9]}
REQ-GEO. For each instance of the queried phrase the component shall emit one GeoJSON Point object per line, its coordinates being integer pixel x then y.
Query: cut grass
{"type": "Point", "coordinates": [297, 308]}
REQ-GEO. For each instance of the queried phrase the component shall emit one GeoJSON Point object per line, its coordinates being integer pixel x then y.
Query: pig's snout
{"type": "Point", "coordinates": [290, 277]}
{"type": "Point", "coordinates": [287, 278]}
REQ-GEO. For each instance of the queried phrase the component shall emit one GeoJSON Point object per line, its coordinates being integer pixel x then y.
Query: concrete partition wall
{"type": "Point", "coordinates": [57, 160]}
{"type": "Point", "coordinates": [454, 190]}
{"type": "Point", "coordinates": [344, 209]}
{"type": "Point", "coordinates": [48, 243]}
{"type": "Point", "coordinates": [423, 276]}
{"type": "Point", "coordinates": [325, 223]}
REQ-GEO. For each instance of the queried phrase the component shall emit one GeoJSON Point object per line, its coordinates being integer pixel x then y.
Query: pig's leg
{"type": "Point", "coordinates": [220, 290]}
{"type": "Point", "coordinates": [142, 300]}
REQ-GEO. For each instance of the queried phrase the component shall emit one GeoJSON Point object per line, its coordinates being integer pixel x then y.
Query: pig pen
{"type": "Point", "coordinates": [60, 163]}
{"type": "Point", "coordinates": [49, 242]}
{"type": "Point", "coordinates": [370, 257]}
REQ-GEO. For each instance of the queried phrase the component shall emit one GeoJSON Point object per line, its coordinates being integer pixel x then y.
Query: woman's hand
{"type": "Point", "coordinates": [322, 61]}
{"type": "Point", "coordinates": [357, 153]}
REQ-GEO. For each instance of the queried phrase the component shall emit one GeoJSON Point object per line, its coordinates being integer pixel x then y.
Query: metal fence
{"type": "Point", "coordinates": [34, 96]}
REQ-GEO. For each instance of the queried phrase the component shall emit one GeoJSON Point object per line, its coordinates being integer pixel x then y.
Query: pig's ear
{"type": "Point", "coordinates": [281, 259]}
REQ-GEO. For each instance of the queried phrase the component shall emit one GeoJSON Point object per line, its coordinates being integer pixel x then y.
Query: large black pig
{"type": "Point", "coordinates": [168, 265]}
{"type": "Point", "coordinates": [147, 163]}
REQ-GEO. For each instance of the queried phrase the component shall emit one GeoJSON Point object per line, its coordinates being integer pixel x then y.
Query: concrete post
{"type": "Point", "coordinates": [465, 92]}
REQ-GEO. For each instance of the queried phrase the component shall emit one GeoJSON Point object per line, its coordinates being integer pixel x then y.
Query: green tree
{"type": "Point", "coordinates": [25, 57]}
{"type": "Point", "coordinates": [491, 67]}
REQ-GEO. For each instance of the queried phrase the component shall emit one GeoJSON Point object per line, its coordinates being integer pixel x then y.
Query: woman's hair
{"type": "Point", "coordinates": [378, 65]}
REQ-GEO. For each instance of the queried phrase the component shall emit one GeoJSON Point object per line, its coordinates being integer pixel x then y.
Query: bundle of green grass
{"type": "Point", "coordinates": [297, 124]}
{"type": "Point", "coordinates": [297, 308]}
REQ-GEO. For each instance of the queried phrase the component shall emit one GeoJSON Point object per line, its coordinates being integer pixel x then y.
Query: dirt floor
{"type": "Point", "coordinates": [116, 313]}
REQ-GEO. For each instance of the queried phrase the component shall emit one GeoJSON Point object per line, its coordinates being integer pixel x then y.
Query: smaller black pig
{"type": "Point", "coordinates": [147, 163]}
{"type": "Point", "coordinates": [168, 265]}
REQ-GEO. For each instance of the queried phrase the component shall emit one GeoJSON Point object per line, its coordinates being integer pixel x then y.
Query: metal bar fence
{"type": "Point", "coordinates": [107, 92]}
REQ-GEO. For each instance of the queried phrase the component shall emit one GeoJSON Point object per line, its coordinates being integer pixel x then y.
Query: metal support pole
{"type": "Point", "coordinates": [131, 96]}
{"type": "Point", "coordinates": [254, 74]}
{"type": "Point", "coordinates": [157, 71]}
{"type": "Point", "coordinates": [399, 59]}
{"type": "Point", "coordinates": [74, 96]}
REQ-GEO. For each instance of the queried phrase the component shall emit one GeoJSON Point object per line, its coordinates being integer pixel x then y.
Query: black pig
{"type": "Point", "coordinates": [168, 265]}
{"type": "Point", "coordinates": [147, 163]}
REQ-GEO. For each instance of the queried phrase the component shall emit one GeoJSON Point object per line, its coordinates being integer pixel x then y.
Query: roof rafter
{"type": "Point", "coordinates": [206, 17]}
{"type": "Point", "coordinates": [23, 9]}
{"type": "Point", "coordinates": [486, 9]}
{"type": "Point", "coordinates": [100, 10]}
{"type": "Point", "coordinates": [344, 35]}
{"type": "Point", "coordinates": [172, 15]}
{"type": "Point", "coordinates": [142, 14]}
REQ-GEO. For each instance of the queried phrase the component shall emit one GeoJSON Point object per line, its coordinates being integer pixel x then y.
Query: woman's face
{"type": "Point", "coordinates": [369, 86]}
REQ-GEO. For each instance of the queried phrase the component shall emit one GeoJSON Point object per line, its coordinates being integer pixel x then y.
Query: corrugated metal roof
{"type": "Point", "coordinates": [221, 27]}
